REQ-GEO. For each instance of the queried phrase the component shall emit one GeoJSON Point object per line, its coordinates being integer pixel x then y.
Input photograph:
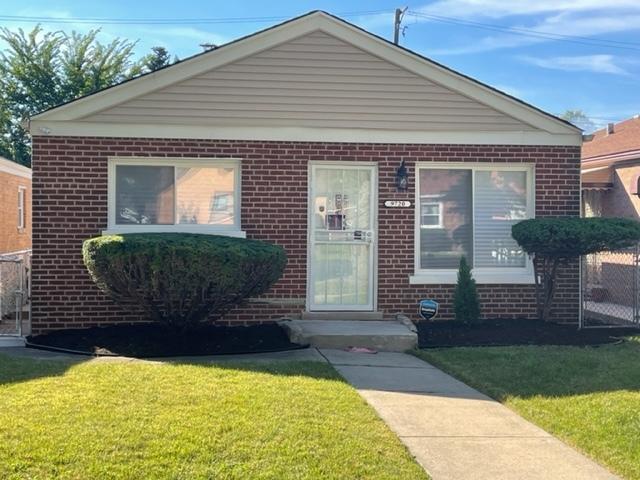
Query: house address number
{"type": "Point", "coordinates": [397, 203]}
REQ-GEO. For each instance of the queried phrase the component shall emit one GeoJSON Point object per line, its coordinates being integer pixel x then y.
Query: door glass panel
{"type": "Point", "coordinates": [341, 274]}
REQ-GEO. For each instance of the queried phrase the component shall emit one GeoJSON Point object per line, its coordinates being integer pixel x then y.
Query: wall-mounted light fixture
{"type": "Point", "coordinates": [402, 178]}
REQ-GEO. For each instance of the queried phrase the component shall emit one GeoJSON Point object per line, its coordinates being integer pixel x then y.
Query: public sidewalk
{"type": "Point", "coordinates": [454, 431]}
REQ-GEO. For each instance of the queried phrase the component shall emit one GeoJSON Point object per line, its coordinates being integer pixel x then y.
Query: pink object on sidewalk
{"type": "Point", "coordinates": [360, 350]}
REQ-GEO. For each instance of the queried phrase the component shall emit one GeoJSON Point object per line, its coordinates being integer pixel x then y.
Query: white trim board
{"type": "Point", "coordinates": [47, 122]}
{"type": "Point", "coordinates": [13, 168]}
{"type": "Point", "coordinates": [300, 134]}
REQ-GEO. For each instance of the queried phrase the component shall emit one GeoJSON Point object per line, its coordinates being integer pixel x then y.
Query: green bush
{"type": "Point", "coordinates": [182, 279]}
{"type": "Point", "coordinates": [572, 236]}
{"type": "Point", "coordinates": [465, 297]}
{"type": "Point", "coordinates": [554, 241]}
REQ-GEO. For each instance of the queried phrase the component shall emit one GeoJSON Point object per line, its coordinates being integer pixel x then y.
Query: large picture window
{"type": "Point", "coordinates": [468, 210]}
{"type": "Point", "coordinates": [191, 195]}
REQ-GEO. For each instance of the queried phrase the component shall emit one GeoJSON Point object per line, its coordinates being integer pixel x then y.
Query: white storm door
{"type": "Point", "coordinates": [342, 214]}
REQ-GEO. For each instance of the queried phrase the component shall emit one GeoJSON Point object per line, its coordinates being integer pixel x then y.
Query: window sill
{"type": "Point", "coordinates": [451, 277]}
{"type": "Point", "coordinates": [171, 229]}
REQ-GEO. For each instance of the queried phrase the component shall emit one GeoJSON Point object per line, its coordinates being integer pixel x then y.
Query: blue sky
{"type": "Point", "coordinates": [598, 71]}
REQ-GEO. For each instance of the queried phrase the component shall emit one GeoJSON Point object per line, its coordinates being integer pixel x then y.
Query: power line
{"type": "Point", "coordinates": [167, 21]}
{"type": "Point", "coordinates": [530, 33]}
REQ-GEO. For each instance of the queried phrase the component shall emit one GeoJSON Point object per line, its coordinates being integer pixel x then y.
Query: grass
{"type": "Point", "coordinates": [116, 420]}
{"type": "Point", "coordinates": [588, 397]}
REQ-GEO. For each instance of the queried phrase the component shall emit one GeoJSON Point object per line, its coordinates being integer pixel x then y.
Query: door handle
{"type": "Point", "coordinates": [362, 235]}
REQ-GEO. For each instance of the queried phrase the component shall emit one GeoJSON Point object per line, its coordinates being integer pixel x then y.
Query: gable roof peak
{"type": "Point", "coordinates": [296, 27]}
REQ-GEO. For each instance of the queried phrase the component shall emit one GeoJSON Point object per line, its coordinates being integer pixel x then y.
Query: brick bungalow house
{"type": "Point", "coordinates": [296, 135]}
{"type": "Point", "coordinates": [15, 207]}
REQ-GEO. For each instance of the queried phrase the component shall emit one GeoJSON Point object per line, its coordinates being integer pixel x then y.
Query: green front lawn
{"type": "Point", "coordinates": [589, 397]}
{"type": "Point", "coordinates": [112, 420]}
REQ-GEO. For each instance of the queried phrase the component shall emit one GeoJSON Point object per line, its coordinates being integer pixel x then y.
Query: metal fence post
{"type": "Point", "coordinates": [636, 290]}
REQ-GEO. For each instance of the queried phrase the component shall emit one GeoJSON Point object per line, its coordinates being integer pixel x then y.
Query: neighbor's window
{"type": "Point", "coordinates": [430, 213]}
{"type": "Point", "coordinates": [21, 207]}
{"type": "Point", "coordinates": [470, 211]}
{"type": "Point", "coordinates": [175, 193]}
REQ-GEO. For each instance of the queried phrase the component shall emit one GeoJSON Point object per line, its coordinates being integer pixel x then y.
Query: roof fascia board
{"type": "Point", "coordinates": [299, 134]}
{"type": "Point", "coordinates": [612, 158]}
{"type": "Point", "coordinates": [13, 168]}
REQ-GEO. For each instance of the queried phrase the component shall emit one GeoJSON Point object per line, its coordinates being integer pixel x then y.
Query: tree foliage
{"type": "Point", "coordinates": [465, 297]}
{"type": "Point", "coordinates": [157, 59]}
{"type": "Point", "coordinates": [554, 241]}
{"type": "Point", "coordinates": [40, 70]}
{"type": "Point", "coordinates": [579, 119]}
{"type": "Point", "coordinates": [182, 279]}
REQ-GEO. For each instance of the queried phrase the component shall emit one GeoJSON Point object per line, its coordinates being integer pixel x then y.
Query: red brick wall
{"type": "Point", "coordinates": [619, 201]}
{"type": "Point", "coordinates": [70, 205]}
{"type": "Point", "coordinates": [12, 238]}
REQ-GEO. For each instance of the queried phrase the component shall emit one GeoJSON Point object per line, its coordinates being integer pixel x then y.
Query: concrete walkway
{"type": "Point", "coordinates": [454, 431]}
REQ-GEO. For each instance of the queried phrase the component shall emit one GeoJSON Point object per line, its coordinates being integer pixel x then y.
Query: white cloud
{"type": "Point", "coordinates": [503, 8]}
{"type": "Point", "coordinates": [587, 63]}
{"type": "Point", "coordinates": [582, 18]}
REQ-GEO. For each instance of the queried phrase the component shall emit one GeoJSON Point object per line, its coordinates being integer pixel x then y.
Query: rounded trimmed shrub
{"type": "Point", "coordinates": [573, 236]}
{"type": "Point", "coordinates": [182, 279]}
{"type": "Point", "coordinates": [554, 241]}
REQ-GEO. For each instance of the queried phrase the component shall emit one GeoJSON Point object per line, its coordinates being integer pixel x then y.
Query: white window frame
{"type": "Point", "coordinates": [22, 203]}
{"type": "Point", "coordinates": [518, 275]}
{"type": "Point", "coordinates": [184, 162]}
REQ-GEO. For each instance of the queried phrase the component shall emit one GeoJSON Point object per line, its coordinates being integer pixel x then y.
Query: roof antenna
{"type": "Point", "coordinates": [397, 23]}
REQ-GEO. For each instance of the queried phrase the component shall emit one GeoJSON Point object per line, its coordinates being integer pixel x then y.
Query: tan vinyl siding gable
{"type": "Point", "coordinates": [316, 81]}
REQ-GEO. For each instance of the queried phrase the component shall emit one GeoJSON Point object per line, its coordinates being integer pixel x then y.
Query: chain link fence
{"type": "Point", "coordinates": [15, 293]}
{"type": "Point", "coordinates": [611, 289]}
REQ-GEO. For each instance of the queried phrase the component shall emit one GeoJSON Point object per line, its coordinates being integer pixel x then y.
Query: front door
{"type": "Point", "coordinates": [342, 231]}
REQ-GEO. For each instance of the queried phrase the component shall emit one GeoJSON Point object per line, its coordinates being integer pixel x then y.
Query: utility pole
{"type": "Point", "coordinates": [396, 24]}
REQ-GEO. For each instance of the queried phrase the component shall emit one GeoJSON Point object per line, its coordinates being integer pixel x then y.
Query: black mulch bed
{"type": "Point", "coordinates": [151, 340]}
{"type": "Point", "coordinates": [505, 332]}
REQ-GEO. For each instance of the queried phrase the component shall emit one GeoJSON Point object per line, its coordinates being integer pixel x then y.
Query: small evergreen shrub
{"type": "Point", "coordinates": [182, 279]}
{"type": "Point", "coordinates": [465, 297]}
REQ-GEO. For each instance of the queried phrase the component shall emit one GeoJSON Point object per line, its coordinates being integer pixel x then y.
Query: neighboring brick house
{"type": "Point", "coordinates": [15, 207]}
{"type": "Point", "coordinates": [610, 188]}
{"type": "Point", "coordinates": [300, 131]}
{"type": "Point", "coordinates": [611, 170]}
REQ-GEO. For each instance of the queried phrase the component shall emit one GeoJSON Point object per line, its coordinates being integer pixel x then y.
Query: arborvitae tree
{"type": "Point", "coordinates": [465, 298]}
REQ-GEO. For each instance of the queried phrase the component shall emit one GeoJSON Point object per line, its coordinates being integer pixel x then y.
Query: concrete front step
{"type": "Point", "coordinates": [11, 341]}
{"type": "Point", "coordinates": [362, 316]}
{"type": "Point", "coordinates": [389, 336]}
